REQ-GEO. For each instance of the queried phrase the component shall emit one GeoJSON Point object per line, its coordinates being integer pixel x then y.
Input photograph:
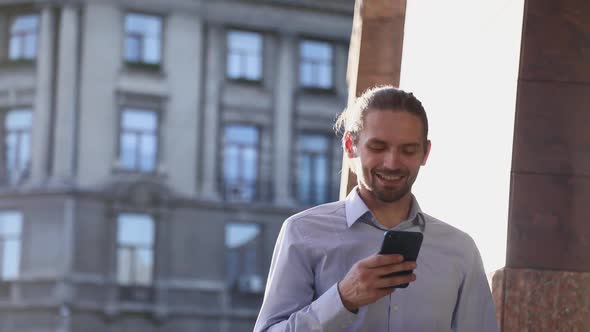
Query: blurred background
{"type": "Point", "coordinates": [152, 150]}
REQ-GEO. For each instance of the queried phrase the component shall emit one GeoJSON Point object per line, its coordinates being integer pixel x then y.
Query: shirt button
{"type": "Point", "coordinates": [395, 307]}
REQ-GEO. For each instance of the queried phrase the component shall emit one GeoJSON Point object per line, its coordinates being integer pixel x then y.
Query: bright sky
{"type": "Point", "coordinates": [460, 58]}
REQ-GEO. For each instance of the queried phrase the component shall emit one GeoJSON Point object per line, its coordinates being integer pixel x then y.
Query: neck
{"type": "Point", "coordinates": [388, 214]}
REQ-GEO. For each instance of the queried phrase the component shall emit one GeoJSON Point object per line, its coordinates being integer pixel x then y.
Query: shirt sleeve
{"type": "Point", "coordinates": [289, 303]}
{"type": "Point", "coordinates": [475, 309]}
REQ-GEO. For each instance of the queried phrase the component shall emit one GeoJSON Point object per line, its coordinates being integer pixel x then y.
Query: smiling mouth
{"type": "Point", "coordinates": [389, 178]}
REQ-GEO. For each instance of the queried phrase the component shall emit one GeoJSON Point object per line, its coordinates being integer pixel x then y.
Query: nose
{"type": "Point", "coordinates": [391, 161]}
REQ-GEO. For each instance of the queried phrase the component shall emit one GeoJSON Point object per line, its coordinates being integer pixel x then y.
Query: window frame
{"type": "Point", "coordinates": [242, 78]}
{"type": "Point", "coordinates": [133, 268]}
{"type": "Point", "coordinates": [20, 244]}
{"type": "Point", "coordinates": [329, 163]}
{"type": "Point", "coordinates": [259, 248]}
{"type": "Point", "coordinates": [141, 64]}
{"type": "Point", "coordinates": [7, 178]}
{"type": "Point", "coordinates": [256, 185]}
{"type": "Point", "coordinates": [158, 133]}
{"type": "Point", "coordinates": [10, 19]}
{"type": "Point", "coordinates": [316, 88]}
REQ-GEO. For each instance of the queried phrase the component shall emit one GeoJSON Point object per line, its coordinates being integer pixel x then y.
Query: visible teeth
{"type": "Point", "coordinates": [390, 177]}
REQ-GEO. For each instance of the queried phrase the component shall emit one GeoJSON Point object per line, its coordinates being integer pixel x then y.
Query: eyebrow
{"type": "Point", "coordinates": [406, 145]}
{"type": "Point", "coordinates": [411, 145]}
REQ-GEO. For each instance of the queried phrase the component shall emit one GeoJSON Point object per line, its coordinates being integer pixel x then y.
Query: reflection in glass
{"type": "Point", "coordinates": [10, 244]}
{"type": "Point", "coordinates": [23, 38]}
{"type": "Point", "coordinates": [240, 166]}
{"type": "Point", "coordinates": [17, 143]}
{"type": "Point", "coordinates": [143, 38]}
{"type": "Point", "coordinates": [244, 55]}
{"type": "Point", "coordinates": [315, 67]}
{"type": "Point", "coordinates": [139, 140]}
{"type": "Point", "coordinates": [313, 169]}
{"type": "Point", "coordinates": [242, 241]}
{"type": "Point", "coordinates": [135, 249]}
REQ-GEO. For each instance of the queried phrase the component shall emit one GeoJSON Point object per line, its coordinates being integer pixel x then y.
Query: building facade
{"type": "Point", "coordinates": [152, 149]}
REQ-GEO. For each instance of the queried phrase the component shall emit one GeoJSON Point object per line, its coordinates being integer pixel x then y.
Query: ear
{"type": "Point", "coordinates": [427, 152]}
{"type": "Point", "coordinates": [348, 145]}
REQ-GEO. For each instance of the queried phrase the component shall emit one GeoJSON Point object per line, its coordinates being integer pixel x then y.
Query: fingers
{"type": "Point", "coordinates": [390, 282]}
{"type": "Point", "coordinates": [392, 268]}
{"type": "Point", "coordinates": [380, 260]}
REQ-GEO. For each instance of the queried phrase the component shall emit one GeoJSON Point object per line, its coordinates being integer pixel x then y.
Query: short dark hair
{"type": "Point", "coordinates": [380, 98]}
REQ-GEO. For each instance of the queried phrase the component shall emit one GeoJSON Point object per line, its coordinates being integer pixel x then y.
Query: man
{"type": "Point", "coordinates": [325, 274]}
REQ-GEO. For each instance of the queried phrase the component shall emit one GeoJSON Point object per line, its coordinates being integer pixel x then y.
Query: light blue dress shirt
{"type": "Point", "coordinates": [317, 247]}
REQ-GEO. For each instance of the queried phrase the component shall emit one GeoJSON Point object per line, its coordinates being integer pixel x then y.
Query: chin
{"type": "Point", "coordinates": [388, 196]}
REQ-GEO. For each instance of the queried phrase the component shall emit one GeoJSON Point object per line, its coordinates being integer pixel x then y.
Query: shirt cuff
{"type": "Point", "coordinates": [331, 312]}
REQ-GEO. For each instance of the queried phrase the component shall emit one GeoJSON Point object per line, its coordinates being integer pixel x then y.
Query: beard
{"type": "Point", "coordinates": [387, 195]}
{"type": "Point", "coordinates": [391, 194]}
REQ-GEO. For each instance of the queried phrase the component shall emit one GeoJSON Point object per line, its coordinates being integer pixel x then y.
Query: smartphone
{"type": "Point", "coordinates": [406, 244]}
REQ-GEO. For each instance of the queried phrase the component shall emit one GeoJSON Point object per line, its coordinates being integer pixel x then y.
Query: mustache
{"type": "Point", "coordinates": [392, 172]}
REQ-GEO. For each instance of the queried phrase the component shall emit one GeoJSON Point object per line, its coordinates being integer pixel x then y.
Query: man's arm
{"type": "Point", "coordinates": [289, 303]}
{"type": "Point", "coordinates": [475, 309]}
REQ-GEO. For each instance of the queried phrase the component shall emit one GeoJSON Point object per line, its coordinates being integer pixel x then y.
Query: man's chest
{"type": "Point", "coordinates": [427, 304]}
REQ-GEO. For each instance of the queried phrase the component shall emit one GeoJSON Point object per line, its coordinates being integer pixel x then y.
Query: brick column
{"type": "Point", "coordinates": [545, 285]}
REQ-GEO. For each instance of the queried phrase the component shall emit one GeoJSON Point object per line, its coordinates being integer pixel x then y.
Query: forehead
{"type": "Point", "coordinates": [390, 125]}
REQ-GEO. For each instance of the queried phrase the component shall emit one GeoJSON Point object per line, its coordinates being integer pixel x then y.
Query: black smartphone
{"type": "Point", "coordinates": [406, 244]}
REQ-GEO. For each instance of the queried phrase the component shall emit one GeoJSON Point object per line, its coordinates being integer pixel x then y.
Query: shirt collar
{"type": "Point", "coordinates": [356, 208]}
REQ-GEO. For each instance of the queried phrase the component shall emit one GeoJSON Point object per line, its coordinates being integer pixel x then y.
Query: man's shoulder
{"type": "Point", "coordinates": [443, 230]}
{"type": "Point", "coordinates": [324, 214]}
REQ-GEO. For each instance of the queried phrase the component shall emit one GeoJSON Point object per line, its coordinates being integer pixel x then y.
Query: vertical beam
{"type": "Point", "coordinates": [185, 32]}
{"type": "Point", "coordinates": [546, 282]}
{"type": "Point", "coordinates": [375, 56]}
{"type": "Point", "coordinates": [67, 90]}
{"type": "Point", "coordinates": [214, 77]}
{"type": "Point", "coordinates": [42, 110]}
{"type": "Point", "coordinates": [283, 120]}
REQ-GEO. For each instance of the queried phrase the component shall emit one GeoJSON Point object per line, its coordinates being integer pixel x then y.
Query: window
{"type": "Point", "coordinates": [138, 144]}
{"type": "Point", "coordinates": [240, 170]}
{"type": "Point", "coordinates": [10, 244]}
{"type": "Point", "coordinates": [244, 55]}
{"type": "Point", "coordinates": [313, 169]}
{"type": "Point", "coordinates": [135, 249]}
{"type": "Point", "coordinates": [242, 242]}
{"type": "Point", "coordinates": [315, 68]}
{"type": "Point", "coordinates": [143, 39]}
{"type": "Point", "coordinates": [23, 38]}
{"type": "Point", "coordinates": [17, 144]}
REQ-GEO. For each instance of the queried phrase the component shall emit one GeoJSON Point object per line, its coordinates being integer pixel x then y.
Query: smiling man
{"type": "Point", "coordinates": [325, 274]}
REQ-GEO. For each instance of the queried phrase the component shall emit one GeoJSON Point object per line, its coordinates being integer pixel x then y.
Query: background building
{"type": "Point", "coordinates": [152, 149]}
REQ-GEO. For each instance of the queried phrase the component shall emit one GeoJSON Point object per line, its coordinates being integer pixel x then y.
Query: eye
{"type": "Point", "coordinates": [410, 151]}
{"type": "Point", "coordinates": [376, 148]}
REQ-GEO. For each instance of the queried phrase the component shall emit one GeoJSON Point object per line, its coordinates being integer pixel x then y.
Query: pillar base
{"type": "Point", "coordinates": [542, 300]}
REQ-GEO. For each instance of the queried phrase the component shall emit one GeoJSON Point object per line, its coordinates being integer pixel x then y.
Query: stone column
{"type": "Point", "coordinates": [282, 131]}
{"type": "Point", "coordinates": [375, 55]}
{"type": "Point", "coordinates": [186, 32]}
{"type": "Point", "coordinates": [40, 143]}
{"type": "Point", "coordinates": [4, 37]}
{"type": "Point", "coordinates": [65, 142]}
{"type": "Point", "coordinates": [545, 285]}
{"type": "Point", "coordinates": [214, 77]}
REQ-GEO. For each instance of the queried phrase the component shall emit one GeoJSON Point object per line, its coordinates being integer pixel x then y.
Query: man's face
{"type": "Point", "coordinates": [388, 154]}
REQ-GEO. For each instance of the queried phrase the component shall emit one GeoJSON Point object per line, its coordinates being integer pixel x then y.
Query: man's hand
{"type": "Point", "coordinates": [365, 284]}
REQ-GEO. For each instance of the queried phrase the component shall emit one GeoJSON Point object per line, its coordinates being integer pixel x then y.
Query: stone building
{"type": "Point", "coordinates": [152, 150]}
